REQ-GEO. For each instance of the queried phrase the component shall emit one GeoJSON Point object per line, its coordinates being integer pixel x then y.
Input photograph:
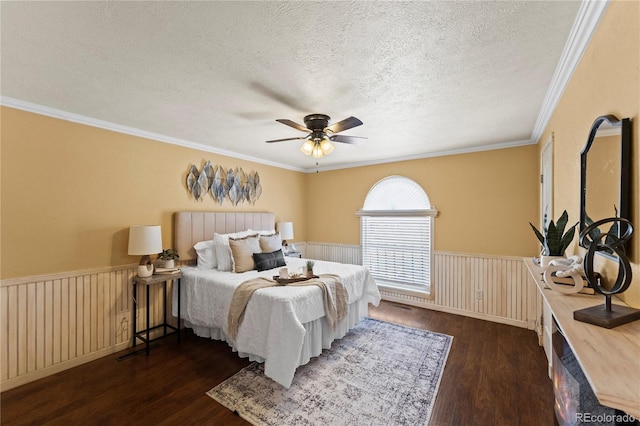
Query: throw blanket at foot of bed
{"type": "Point", "coordinates": [334, 296]}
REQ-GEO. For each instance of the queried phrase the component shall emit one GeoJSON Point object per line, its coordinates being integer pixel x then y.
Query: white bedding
{"type": "Point", "coordinates": [278, 320]}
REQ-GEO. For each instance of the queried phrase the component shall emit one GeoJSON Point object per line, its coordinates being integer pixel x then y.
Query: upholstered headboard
{"type": "Point", "coordinates": [191, 227]}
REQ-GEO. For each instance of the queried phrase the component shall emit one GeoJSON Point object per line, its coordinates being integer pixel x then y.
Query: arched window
{"type": "Point", "coordinates": [396, 225]}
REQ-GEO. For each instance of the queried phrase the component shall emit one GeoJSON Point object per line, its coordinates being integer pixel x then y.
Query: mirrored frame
{"type": "Point", "coordinates": [605, 172]}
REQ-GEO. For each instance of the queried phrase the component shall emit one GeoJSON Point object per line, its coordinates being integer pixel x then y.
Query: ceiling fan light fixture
{"type": "Point", "coordinates": [317, 151]}
{"type": "Point", "coordinates": [326, 146]}
{"type": "Point", "coordinates": [319, 140]}
{"type": "Point", "coordinates": [307, 147]}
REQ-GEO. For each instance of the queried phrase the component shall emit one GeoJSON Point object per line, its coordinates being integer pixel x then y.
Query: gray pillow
{"type": "Point", "coordinates": [271, 260]}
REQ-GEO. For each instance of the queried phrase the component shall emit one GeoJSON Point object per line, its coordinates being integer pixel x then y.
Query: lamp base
{"type": "Point", "coordinates": [145, 271]}
{"type": "Point", "coordinates": [600, 316]}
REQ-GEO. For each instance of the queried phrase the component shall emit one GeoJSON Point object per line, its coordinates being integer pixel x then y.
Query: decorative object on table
{"type": "Point", "coordinates": [168, 256]}
{"type": "Point", "coordinates": [320, 134]}
{"type": "Point", "coordinates": [310, 264]}
{"type": "Point", "coordinates": [408, 391]}
{"type": "Point", "coordinates": [296, 278]}
{"type": "Point", "coordinates": [555, 240]}
{"type": "Point", "coordinates": [145, 240]}
{"type": "Point", "coordinates": [567, 274]}
{"type": "Point", "coordinates": [236, 185]}
{"type": "Point", "coordinates": [608, 315]}
{"type": "Point", "coordinates": [283, 273]}
{"type": "Point", "coordinates": [559, 269]}
{"type": "Point", "coordinates": [285, 229]}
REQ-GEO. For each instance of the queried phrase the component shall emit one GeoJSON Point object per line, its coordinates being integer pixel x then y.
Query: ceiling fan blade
{"type": "Point", "coordinates": [353, 140]}
{"type": "Point", "coordinates": [286, 139]}
{"type": "Point", "coordinates": [293, 124]}
{"type": "Point", "coordinates": [347, 123]}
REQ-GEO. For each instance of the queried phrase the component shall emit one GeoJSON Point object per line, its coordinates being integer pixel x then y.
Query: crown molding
{"type": "Point", "coordinates": [107, 125]}
{"type": "Point", "coordinates": [584, 27]}
{"type": "Point", "coordinates": [469, 150]}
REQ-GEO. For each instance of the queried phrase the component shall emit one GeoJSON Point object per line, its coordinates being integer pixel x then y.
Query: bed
{"type": "Point", "coordinates": [283, 327]}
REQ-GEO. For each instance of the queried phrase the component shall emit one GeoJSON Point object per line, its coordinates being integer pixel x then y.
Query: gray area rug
{"type": "Point", "coordinates": [378, 374]}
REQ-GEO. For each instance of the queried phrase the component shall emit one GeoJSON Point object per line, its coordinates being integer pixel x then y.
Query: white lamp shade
{"type": "Point", "coordinates": [285, 229]}
{"type": "Point", "coordinates": [145, 240]}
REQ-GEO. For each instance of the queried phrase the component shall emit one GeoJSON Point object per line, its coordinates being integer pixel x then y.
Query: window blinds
{"type": "Point", "coordinates": [397, 249]}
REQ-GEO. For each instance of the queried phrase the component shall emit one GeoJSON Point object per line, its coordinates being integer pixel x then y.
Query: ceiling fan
{"type": "Point", "coordinates": [321, 134]}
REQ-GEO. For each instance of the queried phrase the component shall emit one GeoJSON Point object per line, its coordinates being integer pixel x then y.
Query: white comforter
{"type": "Point", "coordinates": [272, 328]}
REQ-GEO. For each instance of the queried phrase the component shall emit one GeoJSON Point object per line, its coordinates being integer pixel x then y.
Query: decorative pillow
{"type": "Point", "coordinates": [223, 253]}
{"type": "Point", "coordinates": [242, 250]}
{"type": "Point", "coordinates": [253, 231]}
{"type": "Point", "coordinates": [271, 260]}
{"type": "Point", "coordinates": [206, 255]}
{"type": "Point", "coordinates": [270, 243]}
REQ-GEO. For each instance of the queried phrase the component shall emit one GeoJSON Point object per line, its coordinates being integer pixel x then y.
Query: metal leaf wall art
{"type": "Point", "coordinates": [234, 184]}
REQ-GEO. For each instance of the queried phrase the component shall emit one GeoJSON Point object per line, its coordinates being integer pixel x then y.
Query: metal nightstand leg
{"type": "Point", "coordinates": [148, 328]}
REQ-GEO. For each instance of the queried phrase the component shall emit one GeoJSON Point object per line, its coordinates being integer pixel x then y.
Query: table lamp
{"type": "Point", "coordinates": [145, 240]}
{"type": "Point", "coordinates": [286, 233]}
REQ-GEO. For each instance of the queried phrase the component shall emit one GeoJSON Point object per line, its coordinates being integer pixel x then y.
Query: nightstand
{"type": "Point", "coordinates": [148, 282]}
{"type": "Point", "coordinates": [294, 254]}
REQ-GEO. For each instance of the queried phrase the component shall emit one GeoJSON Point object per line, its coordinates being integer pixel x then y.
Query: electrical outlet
{"type": "Point", "coordinates": [479, 294]}
{"type": "Point", "coordinates": [122, 327]}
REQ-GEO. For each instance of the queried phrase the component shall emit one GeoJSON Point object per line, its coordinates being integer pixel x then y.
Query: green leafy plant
{"type": "Point", "coordinates": [168, 254]}
{"type": "Point", "coordinates": [310, 264]}
{"type": "Point", "coordinates": [555, 240]}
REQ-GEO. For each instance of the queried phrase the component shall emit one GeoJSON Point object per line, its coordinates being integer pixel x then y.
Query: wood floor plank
{"type": "Point", "coordinates": [495, 374]}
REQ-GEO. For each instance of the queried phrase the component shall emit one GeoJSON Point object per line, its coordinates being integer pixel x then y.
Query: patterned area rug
{"type": "Point", "coordinates": [378, 374]}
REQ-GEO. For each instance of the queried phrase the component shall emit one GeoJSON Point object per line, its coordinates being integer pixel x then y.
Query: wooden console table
{"type": "Point", "coordinates": [610, 358]}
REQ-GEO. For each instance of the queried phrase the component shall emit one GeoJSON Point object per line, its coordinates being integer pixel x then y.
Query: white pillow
{"type": "Point", "coordinates": [223, 251]}
{"type": "Point", "coordinates": [206, 255]}
{"type": "Point", "coordinates": [252, 231]}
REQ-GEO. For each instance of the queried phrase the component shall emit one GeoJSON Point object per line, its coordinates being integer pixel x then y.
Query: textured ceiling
{"type": "Point", "coordinates": [424, 77]}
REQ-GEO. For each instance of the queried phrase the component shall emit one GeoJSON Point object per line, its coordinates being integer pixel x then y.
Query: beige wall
{"type": "Point", "coordinates": [485, 200]}
{"type": "Point", "coordinates": [70, 192]}
{"type": "Point", "coordinates": [607, 81]}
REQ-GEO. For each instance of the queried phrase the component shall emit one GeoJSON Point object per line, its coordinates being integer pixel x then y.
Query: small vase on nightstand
{"type": "Point", "coordinates": [145, 270]}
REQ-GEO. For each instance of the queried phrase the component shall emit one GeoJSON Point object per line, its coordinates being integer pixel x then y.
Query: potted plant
{"type": "Point", "coordinates": [555, 240]}
{"type": "Point", "coordinates": [168, 256]}
{"type": "Point", "coordinates": [310, 264]}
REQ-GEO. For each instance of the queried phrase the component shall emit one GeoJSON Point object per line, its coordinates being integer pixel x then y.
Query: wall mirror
{"type": "Point", "coordinates": [605, 176]}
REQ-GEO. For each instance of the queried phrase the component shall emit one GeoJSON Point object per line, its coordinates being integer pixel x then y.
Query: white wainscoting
{"type": "Point", "coordinates": [53, 322]}
{"type": "Point", "coordinates": [342, 253]}
{"type": "Point", "coordinates": [488, 287]}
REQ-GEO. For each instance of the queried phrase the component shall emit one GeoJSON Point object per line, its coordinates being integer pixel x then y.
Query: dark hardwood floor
{"type": "Point", "coordinates": [495, 375]}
